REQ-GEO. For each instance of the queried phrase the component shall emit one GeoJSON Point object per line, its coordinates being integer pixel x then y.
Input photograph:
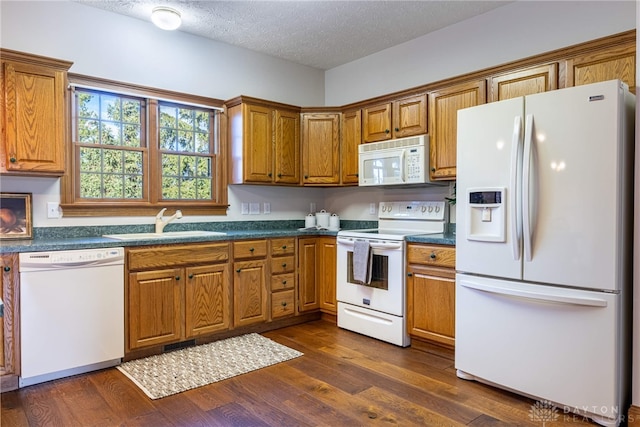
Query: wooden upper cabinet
{"type": "Point", "coordinates": [351, 138]}
{"type": "Point", "coordinates": [321, 148]}
{"type": "Point", "coordinates": [376, 123]}
{"type": "Point", "coordinates": [409, 116]}
{"type": "Point", "coordinates": [33, 103]}
{"type": "Point", "coordinates": [443, 124]}
{"type": "Point", "coordinates": [287, 148]}
{"type": "Point", "coordinates": [264, 142]}
{"type": "Point", "coordinates": [525, 82]}
{"type": "Point", "coordinates": [603, 65]}
{"type": "Point", "coordinates": [396, 119]}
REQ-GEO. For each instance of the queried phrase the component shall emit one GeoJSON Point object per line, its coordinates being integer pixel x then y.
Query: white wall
{"type": "Point", "coordinates": [112, 46]}
{"type": "Point", "coordinates": [514, 31]}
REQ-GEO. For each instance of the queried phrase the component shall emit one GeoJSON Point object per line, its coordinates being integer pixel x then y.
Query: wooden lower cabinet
{"type": "Point", "coordinates": [176, 292]}
{"type": "Point", "coordinates": [9, 351]}
{"type": "Point", "coordinates": [317, 274]}
{"type": "Point", "coordinates": [431, 293]}
{"type": "Point", "coordinates": [249, 292]}
{"type": "Point", "coordinates": [282, 254]}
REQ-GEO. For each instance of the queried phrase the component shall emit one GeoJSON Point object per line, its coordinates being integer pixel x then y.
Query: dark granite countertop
{"type": "Point", "coordinates": [70, 238]}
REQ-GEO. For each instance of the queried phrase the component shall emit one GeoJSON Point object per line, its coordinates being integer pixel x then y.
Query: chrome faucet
{"type": "Point", "coordinates": [161, 222]}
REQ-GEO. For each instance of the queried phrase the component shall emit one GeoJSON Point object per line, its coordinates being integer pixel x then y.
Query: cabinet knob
{"type": "Point", "coordinates": [409, 274]}
{"type": "Point", "coordinates": [306, 177]}
{"type": "Point", "coordinates": [387, 131]}
{"type": "Point", "coordinates": [433, 169]}
{"type": "Point", "coordinates": [284, 282]}
{"type": "Point", "coordinates": [7, 268]}
{"type": "Point", "coordinates": [284, 246]}
{"type": "Point", "coordinates": [191, 276]}
{"type": "Point", "coordinates": [13, 160]}
{"type": "Point", "coordinates": [270, 174]}
{"type": "Point", "coordinates": [357, 175]}
{"type": "Point", "coordinates": [284, 303]}
{"type": "Point", "coordinates": [177, 277]}
{"type": "Point", "coordinates": [251, 249]}
{"type": "Point", "coordinates": [397, 129]}
{"type": "Point", "coordinates": [433, 255]}
{"type": "Point", "coordinates": [279, 175]}
{"type": "Point", "coordinates": [284, 265]}
{"type": "Point", "coordinates": [238, 270]}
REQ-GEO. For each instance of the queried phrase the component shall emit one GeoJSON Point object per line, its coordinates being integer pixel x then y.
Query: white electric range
{"type": "Point", "coordinates": [377, 308]}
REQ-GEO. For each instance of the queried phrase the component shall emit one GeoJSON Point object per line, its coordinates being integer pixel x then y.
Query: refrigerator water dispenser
{"type": "Point", "coordinates": [486, 214]}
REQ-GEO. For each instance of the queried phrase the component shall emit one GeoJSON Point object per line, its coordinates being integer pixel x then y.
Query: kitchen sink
{"type": "Point", "coordinates": [164, 235]}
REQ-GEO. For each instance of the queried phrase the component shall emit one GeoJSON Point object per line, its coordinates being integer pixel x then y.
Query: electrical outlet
{"type": "Point", "coordinates": [266, 207]}
{"type": "Point", "coordinates": [244, 208]}
{"type": "Point", "coordinates": [372, 208]}
{"type": "Point", "coordinates": [254, 208]}
{"type": "Point", "coordinates": [53, 210]}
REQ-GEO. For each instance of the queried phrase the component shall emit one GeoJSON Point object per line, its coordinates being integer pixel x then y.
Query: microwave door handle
{"type": "Point", "coordinates": [403, 165]}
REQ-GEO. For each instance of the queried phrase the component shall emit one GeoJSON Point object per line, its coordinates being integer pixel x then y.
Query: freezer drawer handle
{"type": "Point", "coordinates": [591, 302]}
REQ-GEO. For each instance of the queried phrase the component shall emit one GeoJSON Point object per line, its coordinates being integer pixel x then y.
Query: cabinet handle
{"type": "Point", "coordinates": [387, 131]}
{"type": "Point", "coordinates": [397, 129]}
{"type": "Point", "coordinates": [13, 160]}
{"type": "Point", "coordinates": [7, 268]}
{"type": "Point", "coordinates": [238, 270]}
{"type": "Point", "coordinates": [279, 175]}
{"type": "Point", "coordinates": [251, 249]}
{"type": "Point", "coordinates": [306, 177]}
{"type": "Point", "coordinates": [284, 303]}
{"type": "Point", "coordinates": [284, 246]}
{"type": "Point", "coordinates": [284, 282]}
{"type": "Point", "coordinates": [191, 276]}
{"type": "Point", "coordinates": [357, 175]}
{"type": "Point", "coordinates": [409, 274]}
{"type": "Point", "coordinates": [433, 255]}
{"type": "Point", "coordinates": [270, 174]}
{"type": "Point", "coordinates": [284, 265]}
{"type": "Point", "coordinates": [433, 169]}
{"type": "Point", "coordinates": [177, 277]}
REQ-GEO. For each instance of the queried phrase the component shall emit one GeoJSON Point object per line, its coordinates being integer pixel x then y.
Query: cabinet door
{"type": "Point", "coordinates": [308, 292]}
{"type": "Point", "coordinates": [287, 148]}
{"type": "Point", "coordinates": [327, 258]}
{"type": "Point", "coordinates": [9, 282]}
{"type": "Point", "coordinates": [443, 118]}
{"type": "Point", "coordinates": [410, 116]}
{"type": "Point", "coordinates": [526, 82]}
{"type": "Point", "coordinates": [351, 138]}
{"type": "Point", "coordinates": [609, 64]}
{"type": "Point", "coordinates": [258, 143]}
{"type": "Point", "coordinates": [376, 123]}
{"type": "Point", "coordinates": [320, 148]}
{"type": "Point", "coordinates": [249, 292]}
{"type": "Point", "coordinates": [155, 307]}
{"type": "Point", "coordinates": [34, 137]}
{"type": "Point", "coordinates": [206, 299]}
{"type": "Point", "coordinates": [431, 304]}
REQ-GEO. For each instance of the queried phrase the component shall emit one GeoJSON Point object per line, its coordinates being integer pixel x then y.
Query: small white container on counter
{"type": "Point", "coordinates": [334, 222]}
{"type": "Point", "coordinates": [310, 221]}
{"type": "Point", "coordinates": [322, 219]}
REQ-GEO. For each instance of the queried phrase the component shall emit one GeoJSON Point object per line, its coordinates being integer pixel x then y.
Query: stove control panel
{"type": "Point", "coordinates": [429, 211]}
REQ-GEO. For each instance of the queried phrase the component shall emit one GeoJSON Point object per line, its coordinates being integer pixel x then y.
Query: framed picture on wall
{"type": "Point", "coordinates": [15, 216]}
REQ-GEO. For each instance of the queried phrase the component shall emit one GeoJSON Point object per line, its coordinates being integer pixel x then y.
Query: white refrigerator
{"type": "Point", "coordinates": [544, 249]}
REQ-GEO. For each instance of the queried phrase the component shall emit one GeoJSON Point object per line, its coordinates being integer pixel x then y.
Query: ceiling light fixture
{"type": "Point", "coordinates": [166, 18]}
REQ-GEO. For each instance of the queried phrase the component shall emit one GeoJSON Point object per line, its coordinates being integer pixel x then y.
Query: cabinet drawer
{"type": "Point", "coordinates": [173, 255]}
{"type": "Point", "coordinates": [281, 282]}
{"type": "Point", "coordinates": [282, 246]}
{"type": "Point", "coordinates": [283, 265]}
{"type": "Point", "coordinates": [442, 256]}
{"type": "Point", "coordinates": [250, 249]}
{"type": "Point", "coordinates": [282, 304]}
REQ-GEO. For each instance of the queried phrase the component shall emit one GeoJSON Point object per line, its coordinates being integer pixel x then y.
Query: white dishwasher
{"type": "Point", "coordinates": [71, 312]}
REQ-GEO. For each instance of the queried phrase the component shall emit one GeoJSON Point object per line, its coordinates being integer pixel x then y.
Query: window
{"type": "Point", "coordinates": [135, 152]}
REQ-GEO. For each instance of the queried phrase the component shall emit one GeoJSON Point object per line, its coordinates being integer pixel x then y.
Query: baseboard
{"type": "Point", "coordinates": [8, 383]}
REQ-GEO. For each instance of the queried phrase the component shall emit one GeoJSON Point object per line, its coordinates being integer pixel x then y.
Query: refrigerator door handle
{"type": "Point", "coordinates": [562, 299]}
{"type": "Point", "coordinates": [526, 183]}
{"type": "Point", "coordinates": [516, 235]}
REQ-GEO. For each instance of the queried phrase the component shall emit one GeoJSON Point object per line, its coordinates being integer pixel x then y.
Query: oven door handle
{"type": "Point", "coordinates": [373, 245]}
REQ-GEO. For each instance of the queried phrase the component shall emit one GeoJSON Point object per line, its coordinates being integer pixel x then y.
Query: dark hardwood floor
{"type": "Point", "coordinates": [343, 379]}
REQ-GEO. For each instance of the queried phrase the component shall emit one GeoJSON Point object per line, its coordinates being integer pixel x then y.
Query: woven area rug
{"type": "Point", "coordinates": [170, 373]}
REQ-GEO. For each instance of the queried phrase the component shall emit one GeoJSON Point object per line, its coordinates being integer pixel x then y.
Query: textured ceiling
{"type": "Point", "coordinates": [320, 34]}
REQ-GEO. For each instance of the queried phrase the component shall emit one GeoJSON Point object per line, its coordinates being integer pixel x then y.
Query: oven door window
{"type": "Point", "coordinates": [379, 272]}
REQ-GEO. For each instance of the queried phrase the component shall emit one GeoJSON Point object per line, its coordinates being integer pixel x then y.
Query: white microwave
{"type": "Point", "coordinates": [401, 161]}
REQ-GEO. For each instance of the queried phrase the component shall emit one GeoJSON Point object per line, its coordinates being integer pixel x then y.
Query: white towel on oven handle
{"type": "Point", "coordinates": [361, 261]}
